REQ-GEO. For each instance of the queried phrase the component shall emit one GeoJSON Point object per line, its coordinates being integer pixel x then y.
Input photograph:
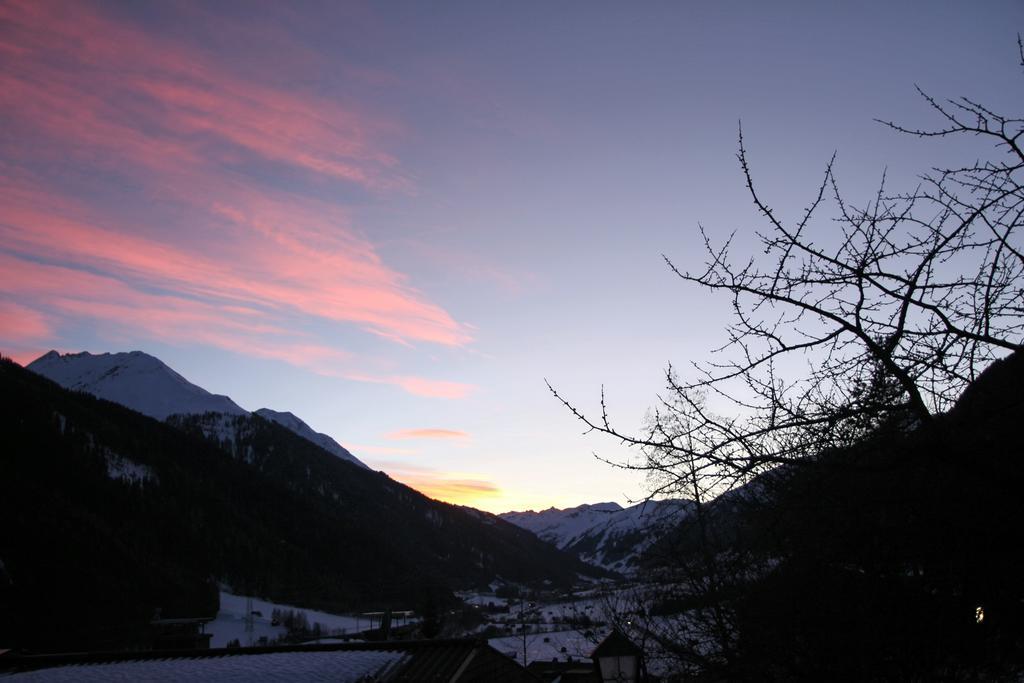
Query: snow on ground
{"type": "Point", "coordinates": [601, 604]}
{"type": "Point", "coordinates": [481, 599]}
{"type": "Point", "coordinates": [230, 621]}
{"type": "Point", "coordinates": [596, 532]}
{"type": "Point", "coordinates": [126, 469]}
{"type": "Point", "coordinates": [545, 647]}
{"type": "Point", "coordinates": [594, 608]}
{"type": "Point", "coordinates": [331, 641]}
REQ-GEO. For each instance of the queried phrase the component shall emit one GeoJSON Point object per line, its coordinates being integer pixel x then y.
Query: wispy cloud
{"type": "Point", "coordinates": [160, 97]}
{"type": "Point", "coordinates": [452, 487]}
{"type": "Point", "coordinates": [428, 434]}
{"type": "Point", "coordinates": [69, 293]}
{"type": "Point", "coordinates": [275, 266]}
{"type": "Point", "coordinates": [23, 331]}
{"type": "Point", "coordinates": [418, 386]}
{"type": "Point", "coordinates": [461, 491]}
{"type": "Point", "coordinates": [471, 264]}
{"type": "Point", "coordinates": [207, 252]}
{"type": "Point", "coordinates": [21, 323]}
{"type": "Point", "coordinates": [360, 448]}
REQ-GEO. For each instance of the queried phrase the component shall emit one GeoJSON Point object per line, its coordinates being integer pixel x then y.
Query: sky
{"type": "Point", "coordinates": [397, 220]}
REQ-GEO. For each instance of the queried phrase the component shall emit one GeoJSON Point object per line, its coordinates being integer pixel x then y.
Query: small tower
{"type": "Point", "coordinates": [618, 659]}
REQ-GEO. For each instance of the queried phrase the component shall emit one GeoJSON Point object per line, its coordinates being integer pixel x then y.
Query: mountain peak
{"type": "Point", "coordinates": [145, 383]}
{"type": "Point", "coordinates": [603, 507]}
{"type": "Point", "coordinates": [134, 379]}
{"type": "Point", "coordinates": [604, 534]}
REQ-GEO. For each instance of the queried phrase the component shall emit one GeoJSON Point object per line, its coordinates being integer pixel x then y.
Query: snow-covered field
{"type": "Point", "coordinates": [558, 629]}
{"type": "Point", "coordinates": [481, 599]}
{"type": "Point", "coordinates": [230, 621]}
{"type": "Point", "coordinates": [571, 627]}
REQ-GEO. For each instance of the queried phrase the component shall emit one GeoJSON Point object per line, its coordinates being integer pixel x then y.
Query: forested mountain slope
{"type": "Point", "coordinates": [145, 383]}
{"type": "Point", "coordinates": [109, 514]}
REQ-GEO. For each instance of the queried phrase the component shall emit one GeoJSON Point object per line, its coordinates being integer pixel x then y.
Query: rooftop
{"type": "Point", "coordinates": [435, 660]}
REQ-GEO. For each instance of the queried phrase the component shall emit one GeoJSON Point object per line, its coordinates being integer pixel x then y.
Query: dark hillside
{"type": "Point", "coordinates": [109, 514]}
{"type": "Point", "coordinates": [876, 559]}
{"type": "Point", "coordinates": [459, 546]}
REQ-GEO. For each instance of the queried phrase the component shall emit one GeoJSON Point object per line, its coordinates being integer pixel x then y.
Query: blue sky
{"type": "Point", "coordinates": [397, 219]}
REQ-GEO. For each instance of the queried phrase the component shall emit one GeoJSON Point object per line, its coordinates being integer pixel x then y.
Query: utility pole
{"type": "Point", "coordinates": [522, 624]}
{"type": "Point", "coordinates": [249, 621]}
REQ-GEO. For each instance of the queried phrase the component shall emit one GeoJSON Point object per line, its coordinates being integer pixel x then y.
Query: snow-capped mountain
{"type": "Point", "coordinates": [293, 423]}
{"type": "Point", "coordinates": [146, 384]}
{"type": "Point", "coordinates": [604, 534]}
{"type": "Point", "coordinates": [134, 379]}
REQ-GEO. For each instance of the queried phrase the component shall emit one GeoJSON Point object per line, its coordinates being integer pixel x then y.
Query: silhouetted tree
{"type": "Point", "coordinates": [894, 306]}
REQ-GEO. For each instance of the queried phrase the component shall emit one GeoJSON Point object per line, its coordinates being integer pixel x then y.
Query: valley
{"type": "Point", "coordinates": [133, 452]}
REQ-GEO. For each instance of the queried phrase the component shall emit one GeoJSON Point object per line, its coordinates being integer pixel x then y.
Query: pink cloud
{"type": "Point", "coordinates": [421, 386]}
{"type": "Point", "coordinates": [22, 324]}
{"type": "Point", "coordinates": [344, 280]}
{"type": "Point", "coordinates": [75, 294]}
{"type": "Point", "coordinates": [418, 386]}
{"type": "Point", "coordinates": [428, 434]}
{"type": "Point", "coordinates": [180, 94]}
{"type": "Point", "coordinates": [72, 293]}
{"type": "Point", "coordinates": [379, 450]}
{"type": "Point", "coordinates": [232, 263]}
{"type": "Point", "coordinates": [24, 332]}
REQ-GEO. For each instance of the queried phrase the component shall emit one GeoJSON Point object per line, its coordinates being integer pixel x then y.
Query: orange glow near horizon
{"type": "Point", "coordinates": [450, 487]}
{"type": "Point", "coordinates": [464, 488]}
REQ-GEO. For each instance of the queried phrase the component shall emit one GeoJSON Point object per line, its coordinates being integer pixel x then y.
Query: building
{"type": "Point", "coordinates": [180, 634]}
{"type": "Point", "coordinates": [616, 659]}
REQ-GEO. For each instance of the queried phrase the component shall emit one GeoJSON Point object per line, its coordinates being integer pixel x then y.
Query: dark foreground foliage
{"type": "Point", "coordinates": [856, 470]}
{"type": "Point", "coordinates": [871, 562]}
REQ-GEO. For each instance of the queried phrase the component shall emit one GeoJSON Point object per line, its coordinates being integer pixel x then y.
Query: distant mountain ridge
{"type": "Point", "coordinates": [604, 534]}
{"type": "Point", "coordinates": [293, 423]}
{"type": "Point", "coordinates": [133, 379]}
{"type": "Point", "coordinates": [146, 384]}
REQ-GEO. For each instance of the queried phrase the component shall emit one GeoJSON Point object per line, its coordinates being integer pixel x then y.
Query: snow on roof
{"type": "Point", "coordinates": [339, 666]}
{"type": "Point", "coordinates": [546, 646]}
